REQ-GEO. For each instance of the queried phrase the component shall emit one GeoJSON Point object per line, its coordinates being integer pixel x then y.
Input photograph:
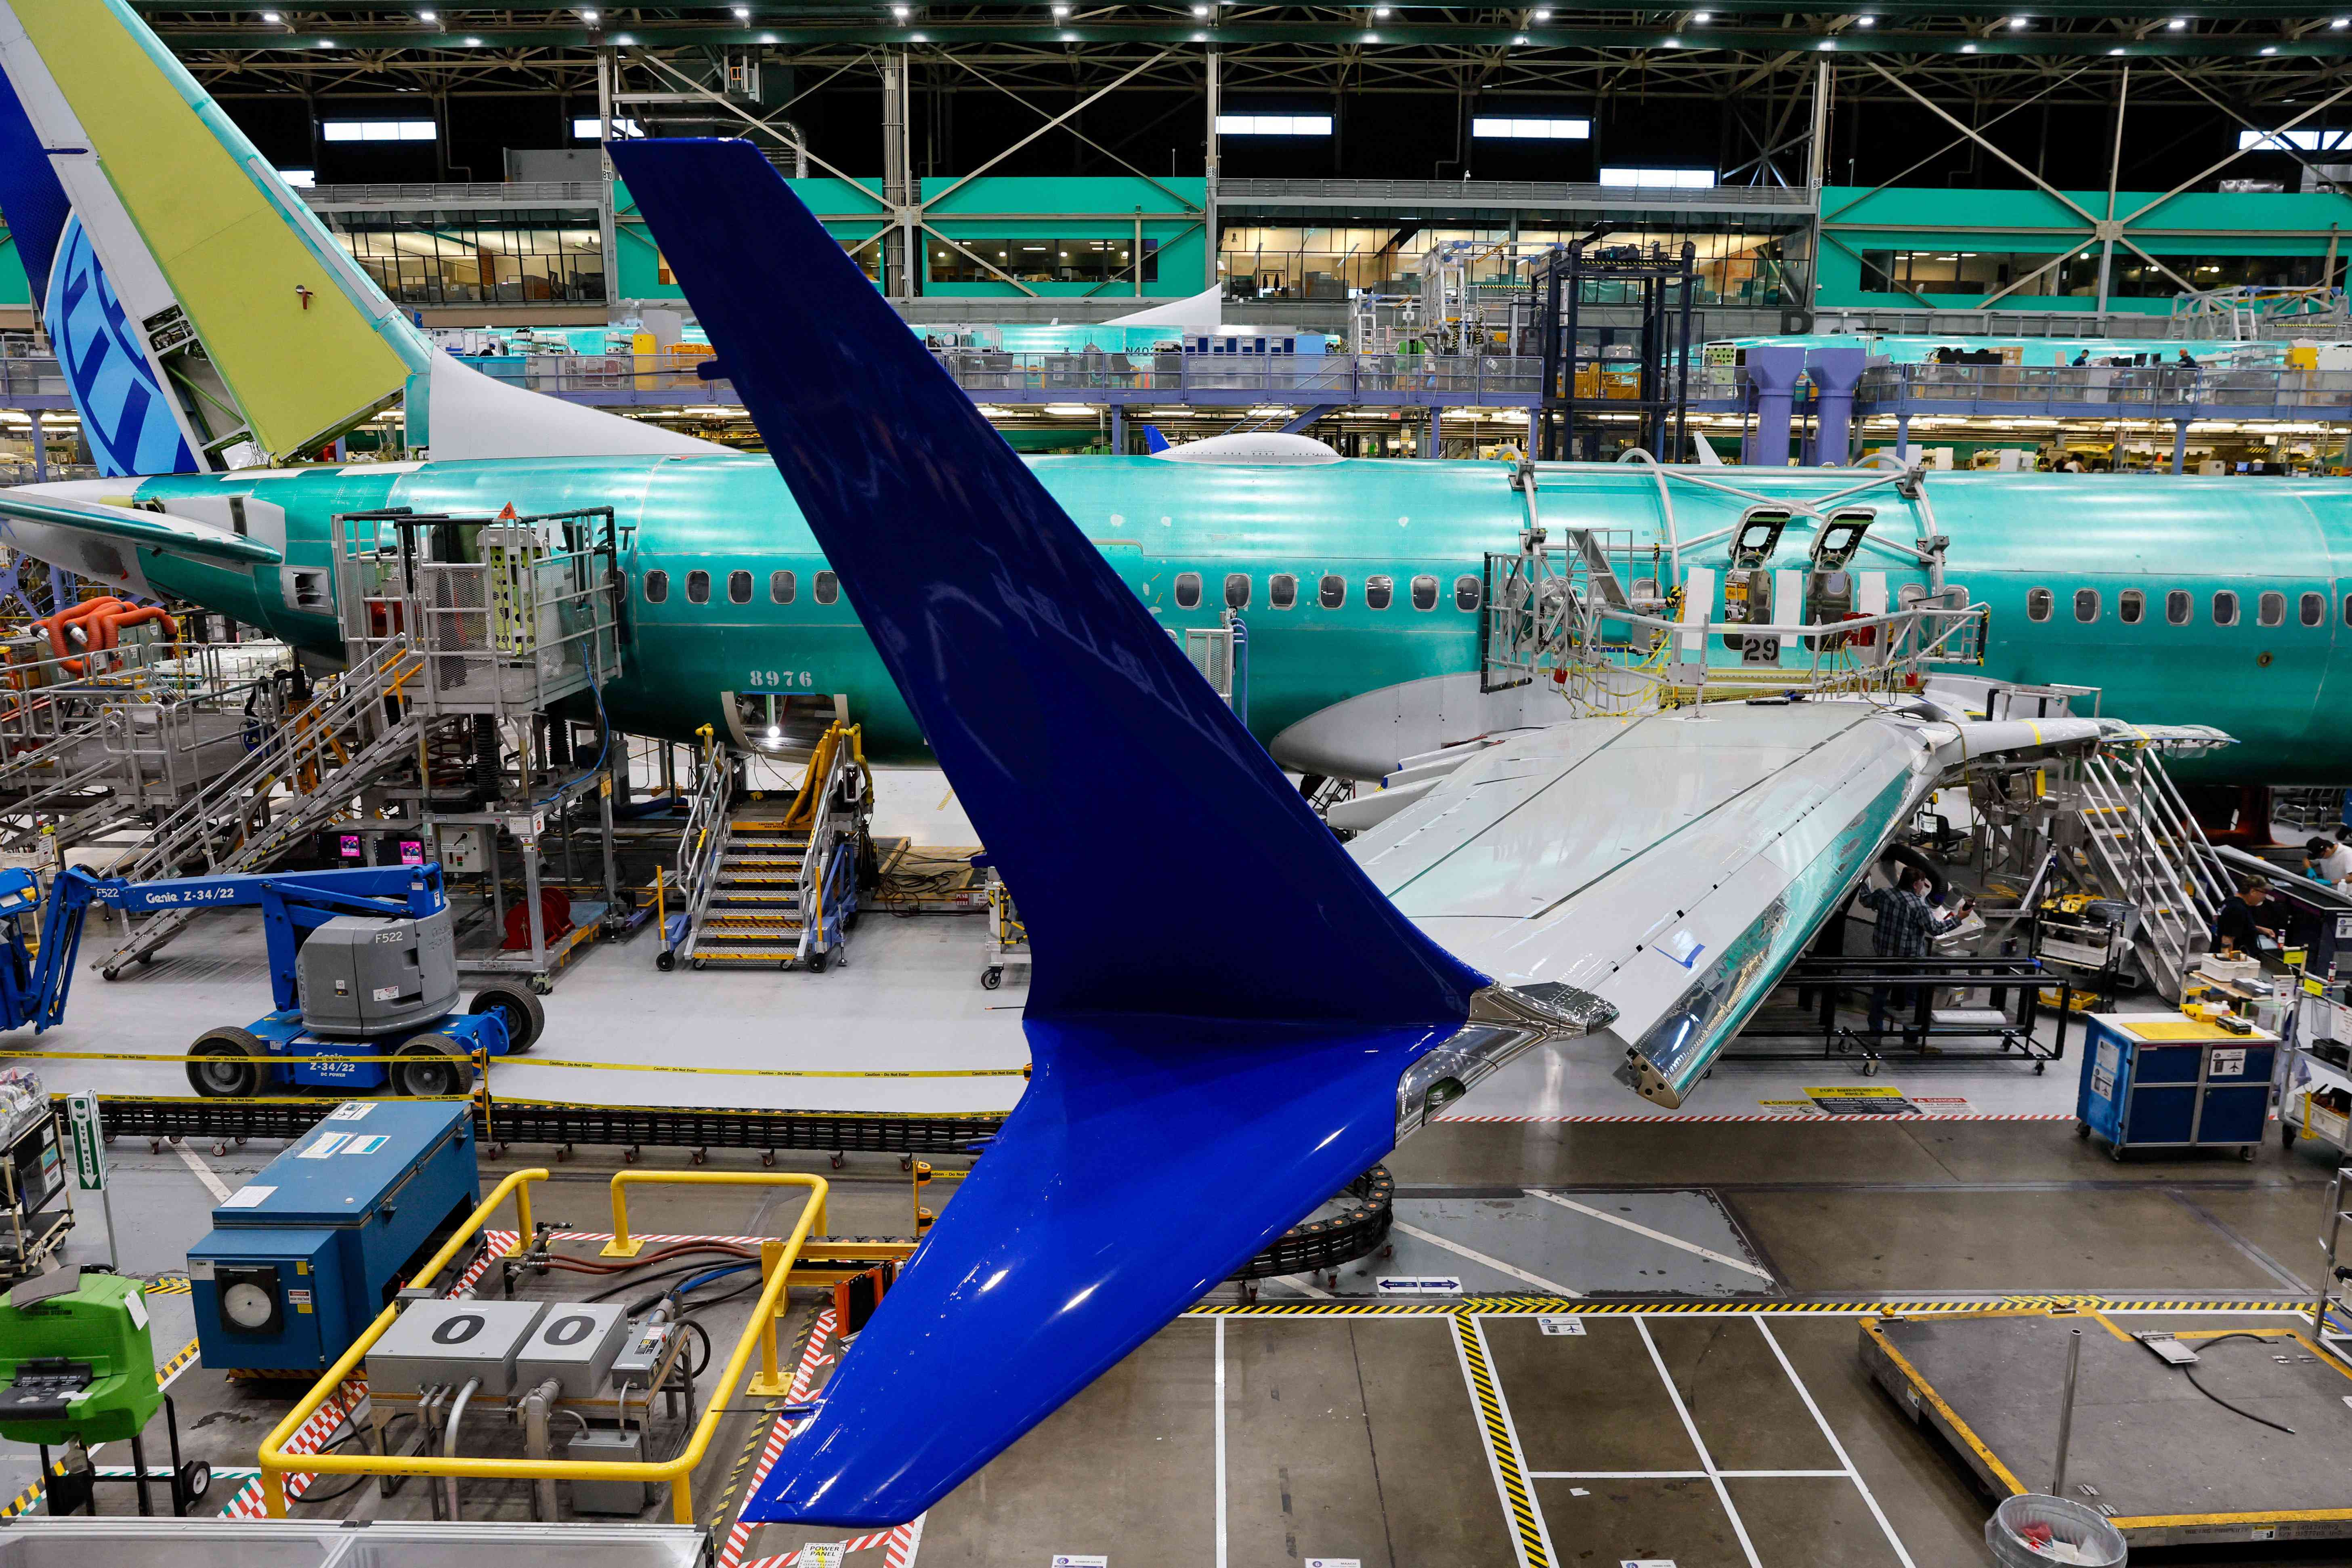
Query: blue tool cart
{"type": "Point", "coordinates": [302, 1258]}
{"type": "Point", "coordinates": [2165, 1080]}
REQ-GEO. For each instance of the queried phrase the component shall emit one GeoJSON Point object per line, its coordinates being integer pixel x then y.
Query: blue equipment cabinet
{"type": "Point", "coordinates": [2165, 1080]}
{"type": "Point", "coordinates": [302, 1258]}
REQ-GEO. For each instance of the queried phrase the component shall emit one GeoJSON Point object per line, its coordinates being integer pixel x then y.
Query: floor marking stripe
{"type": "Point", "coordinates": [1698, 1445]}
{"type": "Point", "coordinates": [1528, 1307]}
{"type": "Point", "coordinates": [1624, 1224]}
{"type": "Point", "coordinates": [1530, 1541]}
{"type": "Point", "coordinates": [1222, 1524]}
{"type": "Point", "coordinates": [1822, 1119]}
{"type": "Point", "coordinates": [204, 1173]}
{"type": "Point", "coordinates": [1836, 1448]}
{"type": "Point", "coordinates": [1496, 1264]}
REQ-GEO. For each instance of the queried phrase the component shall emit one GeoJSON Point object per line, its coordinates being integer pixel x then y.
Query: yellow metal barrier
{"type": "Point", "coordinates": [776, 1264]}
{"type": "Point", "coordinates": [623, 1245]}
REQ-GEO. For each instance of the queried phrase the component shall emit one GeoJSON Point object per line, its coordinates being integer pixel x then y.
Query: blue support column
{"type": "Point", "coordinates": [1117, 431]}
{"type": "Point", "coordinates": [2180, 446]}
{"type": "Point", "coordinates": [40, 449]}
{"type": "Point", "coordinates": [1772, 376]}
{"type": "Point", "coordinates": [1902, 439]}
{"type": "Point", "coordinates": [1436, 423]}
{"type": "Point", "coordinates": [1836, 373]}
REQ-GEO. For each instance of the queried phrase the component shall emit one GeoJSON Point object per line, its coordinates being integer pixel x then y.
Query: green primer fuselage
{"type": "Point", "coordinates": [2274, 687]}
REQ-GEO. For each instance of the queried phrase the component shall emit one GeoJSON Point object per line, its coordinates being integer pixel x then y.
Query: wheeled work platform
{"type": "Point", "coordinates": [2170, 1465]}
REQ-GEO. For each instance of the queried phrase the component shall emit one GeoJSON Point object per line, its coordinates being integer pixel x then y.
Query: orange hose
{"type": "Point", "coordinates": [56, 626]}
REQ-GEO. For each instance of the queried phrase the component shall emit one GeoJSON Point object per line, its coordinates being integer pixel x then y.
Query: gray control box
{"type": "Point", "coordinates": [370, 975]}
{"type": "Point", "coordinates": [641, 1351]}
{"type": "Point", "coordinates": [451, 1343]}
{"type": "Point", "coordinates": [609, 1445]}
{"type": "Point", "coordinates": [574, 1344]}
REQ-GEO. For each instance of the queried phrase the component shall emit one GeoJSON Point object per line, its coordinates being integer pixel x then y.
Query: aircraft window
{"type": "Point", "coordinates": [2087, 605]}
{"type": "Point", "coordinates": [739, 587]}
{"type": "Point", "coordinates": [2176, 607]}
{"type": "Point", "coordinates": [2348, 609]}
{"type": "Point", "coordinates": [1282, 591]}
{"type": "Point", "coordinates": [1378, 591]}
{"type": "Point", "coordinates": [657, 591]}
{"type": "Point", "coordinates": [2314, 609]}
{"type": "Point", "coordinates": [1466, 590]}
{"type": "Point", "coordinates": [780, 587]}
{"type": "Point", "coordinates": [1332, 593]}
{"type": "Point", "coordinates": [1188, 590]}
{"type": "Point", "coordinates": [2225, 608]}
{"type": "Point", "coordinates": [829, 588]}
{"type": "Point", "coordinates": [1425, 593]}
{"type": "Point", "coordinates": [2270, 610]}
{"type": "Point", "coordinates": [697, 587]}
{"type": "Point", "coordinates": [1237, 591]}
{"type": "Point", "coordinates": [2037, 603]}
{"type": "Point", "coordinates": [2130, 605]}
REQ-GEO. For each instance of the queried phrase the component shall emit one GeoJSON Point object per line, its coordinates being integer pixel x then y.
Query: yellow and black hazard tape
{"type": "Point", "coordinates": [23, 1500]}
{"type": "Point", "coordinates": [1509, 1470]}
{"type": "Point", "coordinates": [1547, 1306]}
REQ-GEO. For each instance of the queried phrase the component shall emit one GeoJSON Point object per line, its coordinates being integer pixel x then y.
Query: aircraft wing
{"type": "Point", "coordinates": [1671, 865]}
{"type": "Point", "coordinates": [101, 540]}
{"type": "Point", "coordinates": [1209, 1067]}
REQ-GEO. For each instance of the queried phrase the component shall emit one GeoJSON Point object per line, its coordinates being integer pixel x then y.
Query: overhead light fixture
{"type": "Point", "coordinates": [2178, 24]}
{"type": "Point", "coordinates": [1060, 12]}
{"type": "Point", "coordinates": [1379, 13]}
{"type": "Point", "coordinates": [622, 38]}
{"type": "Point", "coordinates": [2340, 23]}
{"type": "Point", "coordinates": [428, 16]}
{"type": "Point", "coordinates": [1372, 37]}
{"type": "Point", "coordinates": [326, 43]}
{"type": "Point", "coordinates": [1201, 12]}
{"type": "Point", "coordinates": [272, 17]}
{"type": "Point", "coordinates": [2270, 48]}
{"type": "Point", "coordinates": [2016, 22]}
{"type": "Point", "coordinates": [1968, 48]}
{"type": "Point", "coordinates": [1520, 39]}
{"type": "Point", "coordinates": [589, 17]}
{"type": "Point", "coordinates": [1543, 16]}
{"type": "Point", "coordinates": [743, 13]}
{"type": "Point", "coordinates": [899, 12]}
{"type": "Point", "coordinates": [1674, 43]}
{"type": "Point", "coordinates": [1702, 17]}
{"type": "Point", "coordinates": [473, 43]}
{"type": "Point", "coordinates": [1825, 46]}
{"type": "Point", "coordinates": [1865, 21]}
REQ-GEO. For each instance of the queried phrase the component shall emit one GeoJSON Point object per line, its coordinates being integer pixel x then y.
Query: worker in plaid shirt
{"type": "Point", "coordinates": [1908, 926]}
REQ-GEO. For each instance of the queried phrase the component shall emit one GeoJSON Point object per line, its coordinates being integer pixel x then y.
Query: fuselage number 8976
{"type": "Point", "coordinates": [782, 680]}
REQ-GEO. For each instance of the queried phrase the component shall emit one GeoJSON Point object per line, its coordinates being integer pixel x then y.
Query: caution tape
{"type": "Point", "coordinates": [514, 1062]}
{"type": "Point", "coordinates": [1502, 1448]}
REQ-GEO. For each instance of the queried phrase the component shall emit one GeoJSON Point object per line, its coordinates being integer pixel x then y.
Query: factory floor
{"type": "Point", "coordinates": [1713, 1408]}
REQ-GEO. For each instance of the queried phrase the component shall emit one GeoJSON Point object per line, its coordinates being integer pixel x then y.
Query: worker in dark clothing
{"type": "Point", "coordinates": [2186, 360]}
{"type": "Point", "coordinates": [1908, 926]}
{"type": "Point", "coordinates": [2248, 920]}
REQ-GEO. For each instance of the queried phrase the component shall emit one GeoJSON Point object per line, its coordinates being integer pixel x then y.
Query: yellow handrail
{"type": "Point", "coordinates": [623, 1245]}
{"type": "Point", "coordinates": [776, 1263]}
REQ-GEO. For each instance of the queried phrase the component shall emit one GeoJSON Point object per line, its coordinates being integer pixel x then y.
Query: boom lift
{"type": "Point", "coordinates": [362, 968]}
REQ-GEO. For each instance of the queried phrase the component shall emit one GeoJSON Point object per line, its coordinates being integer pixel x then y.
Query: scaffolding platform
{"type": "Point", "coordinates": [2167, 1464]}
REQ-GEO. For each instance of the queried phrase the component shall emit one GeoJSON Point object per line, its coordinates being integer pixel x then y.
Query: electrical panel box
{"type": "Point", "coordinates": [608, 1444]}
{"type": "Point", "coordinates": [303, 1256]}
{"type": "Point", "coordinates": [641, 1351]}
{"type": "Point", "coordinates": [78, 1362]}
{"type": "Point", "coordinates": [462, 851]}
{"type": "Point", "coordinates": [367, 975]}
{"type": "Point", "coordinates": [452, 1343]}
{"type": "Point", "coordinates": [574, 1344]}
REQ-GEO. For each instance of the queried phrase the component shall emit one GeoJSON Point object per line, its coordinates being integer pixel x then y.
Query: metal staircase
{"type": "Point", "coordinates": [302, 778]}
{"type": "Point", "coordinates": [782, 886]}
{"type": "Point", "coordinates": [2136, 838]}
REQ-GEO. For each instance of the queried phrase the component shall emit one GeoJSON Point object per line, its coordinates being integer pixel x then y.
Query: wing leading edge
{"type": "Point", "coordinates": [1224, 1061]}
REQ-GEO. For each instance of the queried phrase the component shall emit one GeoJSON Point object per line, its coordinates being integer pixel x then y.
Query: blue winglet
{"type": "Point", "coordinates": [1222, 1060]}
{"type": "Point", "coordinates": [31, 199]}
{"type": "Point", "coordinates": [1154, 442]}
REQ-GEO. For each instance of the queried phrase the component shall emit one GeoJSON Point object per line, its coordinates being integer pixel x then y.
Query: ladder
{"type": "Point", "coordinates": [2140, 841]}
{"type": "Point", "coordinates": [2331, 1309]}
{"type": "Point", "coordinates": [784, 887]}
{"type": "Point", "coordinates": [322, 755]}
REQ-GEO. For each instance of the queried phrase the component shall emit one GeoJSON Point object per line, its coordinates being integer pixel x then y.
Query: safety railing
{"type": "Point", "coordinates": [703, 846]}
{"type": "Point", "coordinates": [838, 755]}
{"type": "Point", "coordinates": [776, 1263]}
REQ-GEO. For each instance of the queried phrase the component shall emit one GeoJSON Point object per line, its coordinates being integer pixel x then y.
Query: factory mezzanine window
{"type": "Point", "coordinates": [2037, 603]}
{"type": "Point", "coordinates": [2130, 604]}
{"type": "Point", "coordinates": [780, 587]}
{"type": "Point", "coordinates": [1188, 590]}
{"type": "Point", "coordinates": [2271, 610]}
{"type": "Point", "coordinates": [697, 587]}
{"type": "Point", "coordinates": [2176, 607]}
{"type": "Point", "coordinates": [551, 256]}
{"type": "Point", "coordinates": [1237, 591]}
{"type": "Point", "coordinates": [2087, 605]}
{"type": "Point", "coordinates": [1031, 260]}
{"type": "Point", "coordinates": [2225, 608]}
{"type": "Point", "coordinates": [1332, 593]}
{"type": "Point", "coordinates": [658, 590]}
{"type": "Point", "coordinates": [1281, 591]}
{"type": "Point", "coordinates": [1467, 592]}
{"type": "Point", "coordinates": [829, 588]}
{"type": "Point", "coordinates": [739, 587]}
{"type": "Point", "coordinates": [1425, 593]}
{"type": "Point", "coordinates": [2314, 609]}
{"type": "Point", "coordinates": [1378, 591]}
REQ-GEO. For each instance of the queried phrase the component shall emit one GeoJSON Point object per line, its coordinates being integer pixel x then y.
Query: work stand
{"type": "Point", "coordinates": [76, 1491]}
